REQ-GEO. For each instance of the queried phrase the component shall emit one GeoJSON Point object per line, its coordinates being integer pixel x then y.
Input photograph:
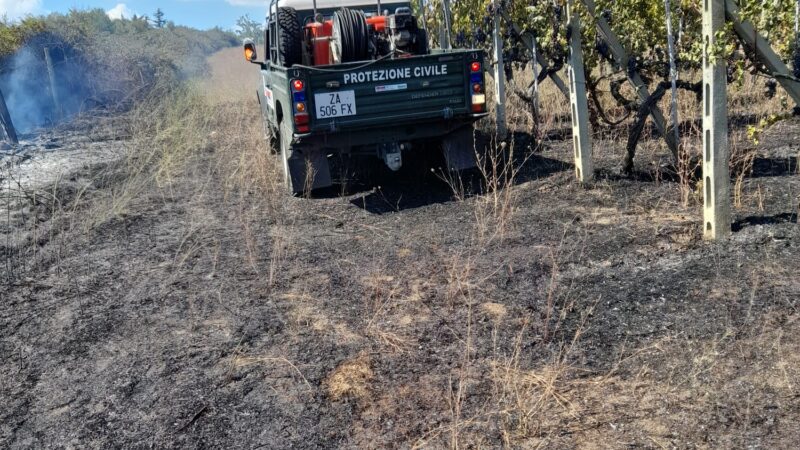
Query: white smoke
{"type": "Point", "coordinates": [27, 89]}
{"type": "Point", "coordinates": [27, 111]}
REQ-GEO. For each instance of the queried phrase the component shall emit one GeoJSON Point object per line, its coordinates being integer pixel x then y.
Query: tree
{"type": "Point", "coordinates": [249, 28]}
{"type": "Point", "coordinates": [158, 18]}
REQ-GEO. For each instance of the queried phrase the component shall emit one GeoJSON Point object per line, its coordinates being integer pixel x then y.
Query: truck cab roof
{"type": "Point", "coordinates": [332, 5]}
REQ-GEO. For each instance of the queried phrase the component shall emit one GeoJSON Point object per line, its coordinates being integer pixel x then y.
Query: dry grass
{"type": "Point", "coordinates": [494, 211]}
{"type": "Point", "coordinates": [166, 134]}
{"type": "Point", "coordinates": [350, 380]}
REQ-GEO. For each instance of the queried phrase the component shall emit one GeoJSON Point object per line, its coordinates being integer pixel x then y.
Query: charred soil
{"type": "Point", "coordinates": [215, 313]}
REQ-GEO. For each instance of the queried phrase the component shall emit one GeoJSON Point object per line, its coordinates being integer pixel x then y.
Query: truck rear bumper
{"type": "Point", "coordinates": [372, 136]}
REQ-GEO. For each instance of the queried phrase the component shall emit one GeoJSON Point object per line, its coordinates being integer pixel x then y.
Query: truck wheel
{"type": "Point", "coordinates": [284, 155]}
{"type": "Point", "coordinates": [270, 136]}
{"type": "Point", "coordinates": [290, 37]}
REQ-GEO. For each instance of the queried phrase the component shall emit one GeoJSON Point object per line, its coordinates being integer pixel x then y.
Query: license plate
{"type": "Point", "coordinates": [335, 104]}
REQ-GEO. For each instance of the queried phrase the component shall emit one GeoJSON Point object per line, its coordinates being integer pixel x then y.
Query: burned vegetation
{"type": "Point", "coordinates": [160, 288]}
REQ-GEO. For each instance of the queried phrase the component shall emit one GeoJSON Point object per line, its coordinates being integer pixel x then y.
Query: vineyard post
{"type": "Point", "coordinates": [796, 66]}
{"type": "Point", "coordinates": [535, 96]}
{"type": "Point", "coordinates": [447, 44]}
{"type": "Point", "coordinates": [673, 73]}
{"type": "Point", "coordinates": [579, 104]}
{"type": "Point", "coordinates": [5, 120]}
{"type": "Point", "coordinates": [422, 8]}
{"type": "Point", "coordinates": [716, 176]}
{"type": "Point", "coordinates": [499, 78]}
{"type": "Point", "coordinates": [51, 72]}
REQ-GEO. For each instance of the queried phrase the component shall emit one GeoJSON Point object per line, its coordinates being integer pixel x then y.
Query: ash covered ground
{"type": "Point", "coordinates": [396, 316]}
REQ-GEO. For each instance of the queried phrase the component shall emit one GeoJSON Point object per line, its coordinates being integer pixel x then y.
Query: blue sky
{"type": "Point", "coordinates": [195, 13]}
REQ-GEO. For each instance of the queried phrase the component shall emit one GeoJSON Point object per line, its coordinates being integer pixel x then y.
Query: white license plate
{"type": "Point", "coordinates": [335, 104]}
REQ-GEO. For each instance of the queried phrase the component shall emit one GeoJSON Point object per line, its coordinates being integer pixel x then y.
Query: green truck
{"type": "Point", "coordinates": [353, 78]}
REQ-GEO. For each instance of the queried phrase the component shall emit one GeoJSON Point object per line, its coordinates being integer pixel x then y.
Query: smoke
{"type": "Point", "coordinates": [25, 83]}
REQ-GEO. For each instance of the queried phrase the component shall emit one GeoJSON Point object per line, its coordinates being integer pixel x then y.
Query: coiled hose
{"type": "Point", "coordinates": [350, 26]}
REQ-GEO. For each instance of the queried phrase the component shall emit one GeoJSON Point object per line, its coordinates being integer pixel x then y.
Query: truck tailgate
{"type": "Point", "coordinates": [391, 91]}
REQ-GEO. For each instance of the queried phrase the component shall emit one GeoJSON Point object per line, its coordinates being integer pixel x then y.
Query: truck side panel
{"type": "Point", "coordinates": [275, 89]}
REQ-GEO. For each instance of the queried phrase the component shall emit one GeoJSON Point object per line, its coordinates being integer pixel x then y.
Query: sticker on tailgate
{"type": "Point", "coordinates": [391, 87]}
{"type": "Point", "coordinates": [335, 104]}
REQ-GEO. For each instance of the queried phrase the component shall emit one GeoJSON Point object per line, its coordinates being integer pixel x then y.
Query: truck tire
{"type": "Point", "coordinates": [290, 37]}
{"type": "Point", "coordinates": [269, 134]}
{"type": "Point", "coordinates": [283, 154]}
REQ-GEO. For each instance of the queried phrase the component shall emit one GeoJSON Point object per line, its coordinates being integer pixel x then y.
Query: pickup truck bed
{"type": "Point", "coordinates": [372, 107]}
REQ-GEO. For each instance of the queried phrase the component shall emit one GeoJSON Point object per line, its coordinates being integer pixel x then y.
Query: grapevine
{"type": "Point", "coordinates": [642, 30]}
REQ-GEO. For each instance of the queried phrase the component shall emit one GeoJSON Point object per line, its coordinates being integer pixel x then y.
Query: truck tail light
{"type": "Point", "coordinates": [301, 122]}
{"type": "Point", "coordinates": [476, 80]}
{"type": "Point", "coordinates": [478, 102]}
{"type": "Point", "coordinates": [301, 117]}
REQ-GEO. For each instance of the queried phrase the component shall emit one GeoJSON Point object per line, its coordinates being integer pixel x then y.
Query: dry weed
{"type": "Point", "coordinates": [351, 379]}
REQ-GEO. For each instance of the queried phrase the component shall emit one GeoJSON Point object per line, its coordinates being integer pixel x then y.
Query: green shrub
{"type": "Point", "coordinates": [14, 35]}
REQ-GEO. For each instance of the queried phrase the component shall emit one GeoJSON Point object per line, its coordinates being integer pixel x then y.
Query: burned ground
{"type": "Point", "coordinates": [214, 312]}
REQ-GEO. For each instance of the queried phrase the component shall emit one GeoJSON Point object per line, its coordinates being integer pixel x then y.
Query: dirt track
{"type": "Point", "coordinates": [201, 318]}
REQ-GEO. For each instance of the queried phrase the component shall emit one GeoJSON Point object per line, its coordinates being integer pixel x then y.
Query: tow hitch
{"type": "Point", "coordinates": [392, 154]}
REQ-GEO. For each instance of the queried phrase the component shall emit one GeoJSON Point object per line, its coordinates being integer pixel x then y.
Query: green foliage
{"type": "Point", "coordinates": [639, 24]}
{"type": "Point", "coordinates": [774, 19]}
{"type": "Point", "coordinates": [82, 28]}
{"type": "Point", "coordinates": [14, 35]}
{"type": "Point", "coordinates": [249, 28]}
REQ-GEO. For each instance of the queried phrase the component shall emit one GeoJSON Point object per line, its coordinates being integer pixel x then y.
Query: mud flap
{"type": "Point", "coordinates": [301, 162]}
{"type": "Point", "coordinates": [459, 149]}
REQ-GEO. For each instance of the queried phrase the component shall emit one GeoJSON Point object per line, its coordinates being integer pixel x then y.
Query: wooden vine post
{"type": "Point", "coordinates": [499, 77]}
{"type": "Point", "coordinates": [716, 175]}
{"type": "Point", "coordinates": [53, 85]}
{"type": "Point", "coordinates": [579, 104]}
{"type": "Point", "coordinates": [5, 121]}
